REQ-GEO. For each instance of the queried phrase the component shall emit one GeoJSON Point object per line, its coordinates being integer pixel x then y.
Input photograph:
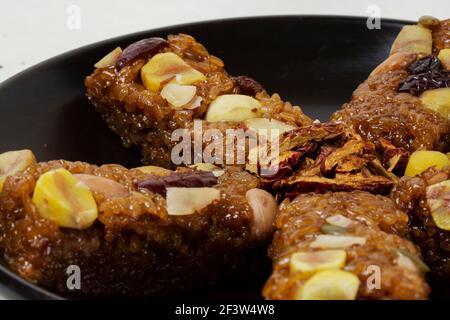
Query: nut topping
{"type": "Point", "coordinates": [233, 107]}
{"type": "Point", "coordinates": [165, 67]}
{"type": "Point", "coordinates": [185, 201]}
{"type": "Point", "coordinates": [106, 187]}
{"type": "Point", "coordinates": [178, 95]}
{"type": "Point", "coordinates": [326, 241]}
{"type": "Point", "coordinates": [110, 59]}
{"type": "Point", "coordinates": [264, 208]}
{"type": "Point", "coordinates": [62, 198]}
{"type": "Point", "coordinates": [12, 162]}
{"type": "Point", "coordinates": [438, 201]}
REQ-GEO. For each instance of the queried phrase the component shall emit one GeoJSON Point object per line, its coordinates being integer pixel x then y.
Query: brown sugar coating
{"type": "Point", "coordinates": [134, 247]}
{"type": "Point", "coordinates": [144, 119]}
{"type": "Point", "coordinates": [377, 110]}
{"type": "Point", "coordinates": [410, 196]}
{"type": "Point", "coordinates": [375, 218]}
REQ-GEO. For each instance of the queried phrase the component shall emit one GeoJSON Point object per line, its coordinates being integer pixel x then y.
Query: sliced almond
{"type": "Point", "coordinates": [195, 103]}
{"type": "Point", "coordinates": [405, 262]}
{"type": "Point", "coordinates": [12, 162]}
{"type": "Point", "coordinates": [110, 59]}
{"type": "Point", "coordinates": [414, 39]}
{"type": "Point", "coordinates": [411, 262]}
{"type": "Point", "coordinates": [185, 201]}
{"type": "Point", "coordinates": [326, 241]}
{"type": "Point", "coordinates": [218, 173]}
{"type": "Point", "coordinates": [233, 107]}
{"type": "Point", "coordinates": [106, 187]}
{"type": "Point", "coordinates": [178, 95]}
{"type": "Point", "coordinates": [339, 221]}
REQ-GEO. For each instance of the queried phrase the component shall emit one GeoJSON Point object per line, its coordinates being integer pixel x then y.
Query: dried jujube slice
{"type": "Point", "coordinates": [144, 48]}
{"type": "Point", "coordinates": [191, 179]}
{"type": "Point", "coordinates": [426, 74]}
{"type": "Point", "coordinates": [248, 86]}
{"type": "Point", "coordinates": [425, 64]}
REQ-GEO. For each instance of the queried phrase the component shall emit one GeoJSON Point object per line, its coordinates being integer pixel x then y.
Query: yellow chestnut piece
{"type": "Point", "coordinates": [62, 198]}
{"type": "Point", "coordinates": [438, 202]}
{"type": "Point", "coordinates": [233, 107]}
{"type": "Point", "coordinates": [421, 160]}
{"type": "Point", "coordinates": [12, 162]}
{"type": "Point", "coordinates": [437, 100]}
{"type": "Point", "coordinates": [414, 39]}
{"type": "Point", "coordinates": [168, 66]}
{"type": "Point", "coordinates": [311, 262]}
{"type": "Point", "coordinates": [157, 171]}
{"type": "Point", "coordinates": [444, 57]}
{"type": "Point", "coordinates": [330, 285]}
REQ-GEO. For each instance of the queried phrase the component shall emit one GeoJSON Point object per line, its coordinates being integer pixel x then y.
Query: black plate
{"type": "Point", "coordinates": [313, 61]}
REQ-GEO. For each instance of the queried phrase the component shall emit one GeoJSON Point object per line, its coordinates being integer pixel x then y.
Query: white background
{"type": "Point", "coordinates": [35, 30]}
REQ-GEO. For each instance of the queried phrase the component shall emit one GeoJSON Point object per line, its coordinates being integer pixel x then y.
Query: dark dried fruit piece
{"type": "Point", "coordinates": [248, 86]}
{"type": "Point", "coordinates": [425, 64]}
{"type": "Point", "coordinates": [426, 74]}
{"type": "Point", "coordinates": [288, 162]}
{"type": "Point", "coordinates": [330, 132]}
{"type": "Point", "coordinates": [327, 157]}
{"type": "Point", "coordinates": [354, 155]}
{"type": "Point", "coordinates": [416, 84]}
{"type": "Point", "coordinates": [342, 182]}
{"type": "Point", "coordinates": [394, 159]}
{"type": "Point", "coordinates": [190, 179]}
{"type": "Point", "coordinates": [144, 48]}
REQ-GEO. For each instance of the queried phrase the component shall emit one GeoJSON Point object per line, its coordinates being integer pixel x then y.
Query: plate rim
{"type": "Point", "coordinates": [76, 50]}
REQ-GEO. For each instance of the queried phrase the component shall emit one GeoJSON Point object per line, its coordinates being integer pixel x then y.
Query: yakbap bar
{"type": "Point", "coordinates": [426, 199]}
{"type": "Point", "coordinates": [343, 246]}
{"type": "Point", "coordinates": [142, 231]}
{"type": "Point", "coordinates": [155, 86]}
